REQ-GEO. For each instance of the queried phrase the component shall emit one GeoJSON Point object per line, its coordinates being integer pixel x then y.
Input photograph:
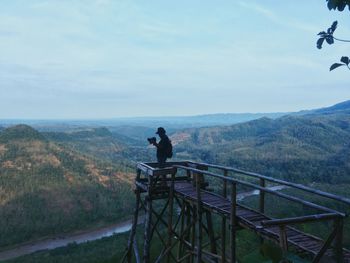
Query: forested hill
{"type": "Point", "coordinates": [96, 142]}
{"type": "Point", "coordinates": [313, 147]}
{"type": "Point", "coordinates": [343, 107]}
{"type": "Point", "coordinates": [46, 188]}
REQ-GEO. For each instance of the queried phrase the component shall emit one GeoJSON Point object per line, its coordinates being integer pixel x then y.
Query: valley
{"type": "Point", "coordinates": [56, 179]}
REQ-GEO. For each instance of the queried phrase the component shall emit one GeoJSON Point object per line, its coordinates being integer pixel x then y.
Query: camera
{"type": "Point", "coordinates": [152, 140]}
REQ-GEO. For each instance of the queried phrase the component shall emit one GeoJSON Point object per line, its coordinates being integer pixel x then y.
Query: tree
{"type": "Point", "coordinates": [328, 36]}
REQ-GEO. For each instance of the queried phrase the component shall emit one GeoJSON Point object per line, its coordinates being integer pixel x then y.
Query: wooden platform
{"type": "Point", "coordinates": [250, 219]}
{"type": "Point", "coordinates": [194, 238]}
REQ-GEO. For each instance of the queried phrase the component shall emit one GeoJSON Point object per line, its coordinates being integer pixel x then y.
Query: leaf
{"type": "Point", "coordinates": [330, 5]}
{"type": "Point", "coordinates": [345, 60]}
{"type": "Point", "coordinates": [334, 26]}
{"type": "Point", "coordinates": [320, 42]}
{"type": "Point", "coordinates": [341, 6]}
{"type": "Point", "coordinates": [335, 65]}
{"type": "Point", "coordinates": [322, 33]}
{"type": "Point", "coordinates": [330, 40]}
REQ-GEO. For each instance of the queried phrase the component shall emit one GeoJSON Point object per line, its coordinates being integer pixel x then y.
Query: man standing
{"type": "Point", "coordinates": [164, 147]}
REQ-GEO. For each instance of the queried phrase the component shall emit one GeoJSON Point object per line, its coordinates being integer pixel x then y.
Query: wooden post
{"type": "Point", "coordinates": [182, 223]}
{"type": "Point", "coordinates": [262, 197]}
{"type": "Point", "coordinates": [211, 233]}
{"type": "Point", "coordinates": [283, 238]}
{"type": "Point", "coordinates": [224, 190]}
{"type": "Point", "coordinates": [170, 215]}
{"type": "Point", "coordinates": [188, 174]}
{"type": "Point", "coordinates": [134, 225]}
{"type": "Point", "coordinates": [262, 203]}
{"type": "Point", "coordinates": [193, 238]}
{"type": "Point", "coordinates": [134, 222]}
{"type": "Point", "coordinates": [338, 242]}
{"type": "Point", "coordinates": [233, 222]}
{"type": "Point", "coordinates": [199, 219]}
{"type": "Point", "coordinates": [148, 222]}
{"type": "Point", "coordinates": [223, 223]}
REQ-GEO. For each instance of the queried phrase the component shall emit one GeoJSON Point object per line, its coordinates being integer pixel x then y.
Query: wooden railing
{"type": "Point", "coordinates": [326, 213]}
{"type": "Point", "coordinates": [159, 182]}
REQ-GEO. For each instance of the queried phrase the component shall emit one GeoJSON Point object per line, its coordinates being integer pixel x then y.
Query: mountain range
{"type": "Point", "coordinates": [313, 146]}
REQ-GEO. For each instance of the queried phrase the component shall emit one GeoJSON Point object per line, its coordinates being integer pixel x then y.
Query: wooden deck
{"type": "Point", "coordinates": [250, 219]}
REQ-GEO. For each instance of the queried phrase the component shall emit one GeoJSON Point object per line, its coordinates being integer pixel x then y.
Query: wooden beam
{"type": "Point", "coordinates": [338, 242]}
{"type": "Point", "coordinates": [133, 228]}
{"type": "Point", "coordinates": [285, 196]}
{"type": "Point", "coordinates": [325, 246]}
{"type": "Point", "coordinates": [233, 222]}
{"type": "Point", "coordinates": [199, 219]}
{"type": "Point", "coordinates": [147, 233]}
{"type": "Point", "coordinates": [170, 214]}
{"type": "Point", "coordinates": [283, 238]}
{"type": "Point", "coordinates": [279, 181]}
{"type": "Point", "coordinates": [299, 220]}
{"type": "Point", "coordinates": [211, 232]}
{"type": "Point", "coordinates": [223, 223]}
{"type": "Point", "coordinates": [262, 197]}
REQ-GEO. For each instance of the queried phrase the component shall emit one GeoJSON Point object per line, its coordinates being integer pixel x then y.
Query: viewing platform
{"type": "Point", "coordinates": [195, 211]}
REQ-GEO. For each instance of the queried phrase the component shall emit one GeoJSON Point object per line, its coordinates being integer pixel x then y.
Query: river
{"type": "Point", "coordinates": [90, 235]}
{"type": "Point", "coordinates": [64, 240]}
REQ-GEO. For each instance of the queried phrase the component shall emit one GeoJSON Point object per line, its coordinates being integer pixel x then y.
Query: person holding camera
{"type": "Point", "coordinates": [164, 146]}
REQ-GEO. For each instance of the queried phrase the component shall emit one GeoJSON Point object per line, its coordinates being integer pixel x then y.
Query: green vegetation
{"type": "Point", "coordinates": [56, 182]}
{"type": "Point", "coordinates": [297, 148]}
{"type": "Point", "coordinates": [106, 250]}
{"type": "Point", "coordinates": [46, 189]}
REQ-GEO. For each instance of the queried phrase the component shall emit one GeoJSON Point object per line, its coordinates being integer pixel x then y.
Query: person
{"type": "Point", "coordinates": [164, 147]}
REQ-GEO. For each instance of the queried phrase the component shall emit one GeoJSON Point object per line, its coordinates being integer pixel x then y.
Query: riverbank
{"type": "Point", "coordinates": [64, 240]}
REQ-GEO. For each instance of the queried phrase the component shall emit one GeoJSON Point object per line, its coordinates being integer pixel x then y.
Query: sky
{"type": "Point", "coordinates": [88, 59]}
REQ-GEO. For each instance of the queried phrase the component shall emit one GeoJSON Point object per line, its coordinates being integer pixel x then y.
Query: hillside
{"type": "Point", "coordinates": [313, 147]}
{"type": "Point", "coordinates": [342, 107]}
{"type": "Point", "coordinates": [103, 144]}
{"type": "Point", "coordinates": [95, 142]}
{"type": "Point", "coordinates": [46, 188]}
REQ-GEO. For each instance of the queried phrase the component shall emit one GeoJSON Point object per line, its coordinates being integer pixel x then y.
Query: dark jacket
{"type": "Point", "coordinates": [162, 147]}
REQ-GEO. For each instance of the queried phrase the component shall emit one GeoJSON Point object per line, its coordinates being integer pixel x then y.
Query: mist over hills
{"type": "Point", "coordinates": [173, 123]}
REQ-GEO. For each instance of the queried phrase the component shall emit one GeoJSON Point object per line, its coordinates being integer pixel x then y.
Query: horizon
{"type": "Point", "coordinates": [103, 59]}
{"type": "Point", "coordinates": [171, 116]}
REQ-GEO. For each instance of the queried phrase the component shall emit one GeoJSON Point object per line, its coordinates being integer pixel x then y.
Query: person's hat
{"type": "Point", "coordinates": [160, 130]}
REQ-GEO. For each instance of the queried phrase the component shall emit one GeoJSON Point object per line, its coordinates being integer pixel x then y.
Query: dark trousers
{"type": "Point", "coordinates": [161, 161]}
